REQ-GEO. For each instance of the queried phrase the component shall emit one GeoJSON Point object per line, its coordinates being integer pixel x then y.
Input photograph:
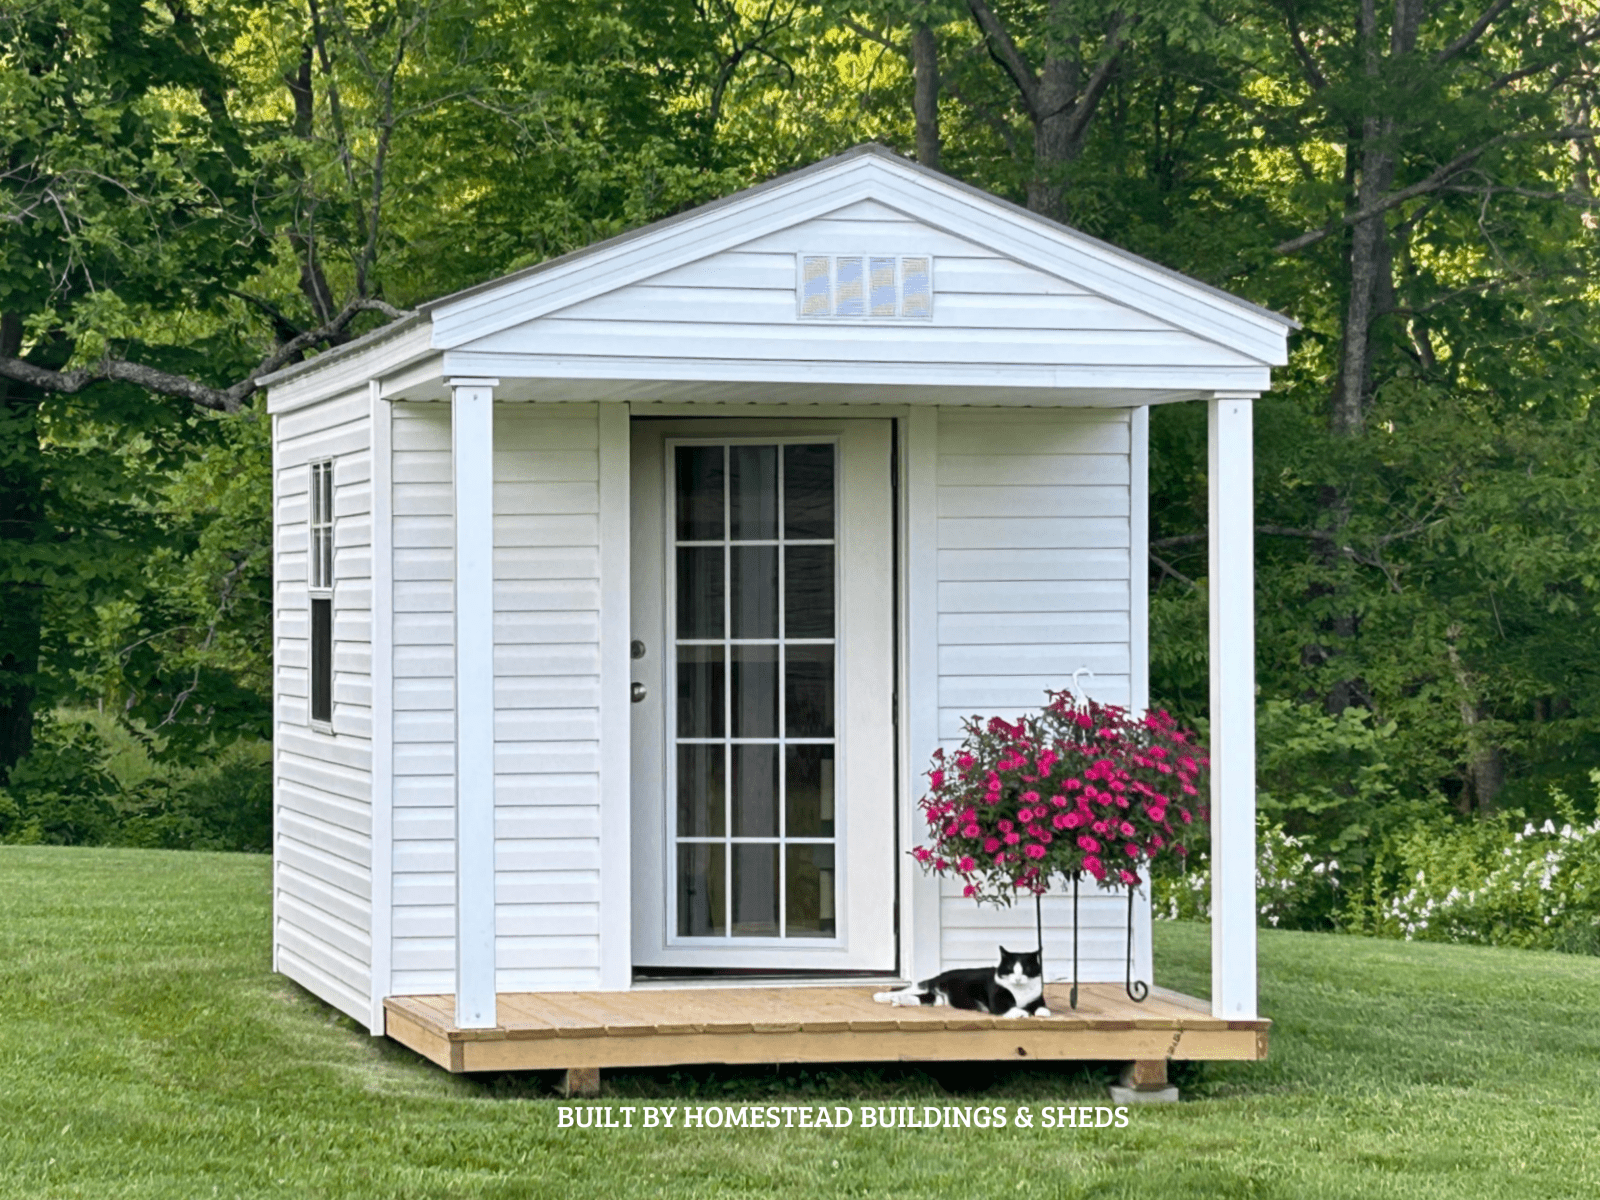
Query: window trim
{"type": "Point", "coordinates": [320, 581]}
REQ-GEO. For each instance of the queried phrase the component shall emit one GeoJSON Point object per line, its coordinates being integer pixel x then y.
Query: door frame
{"type": "Point", "coordinates": [654, 946]}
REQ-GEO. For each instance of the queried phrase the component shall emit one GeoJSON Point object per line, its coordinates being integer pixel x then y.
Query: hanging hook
{"type": "Point", "coordinates": [1077, 689]}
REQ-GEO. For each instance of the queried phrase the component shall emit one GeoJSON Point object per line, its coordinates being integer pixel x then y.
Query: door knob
{"type": "Point", "coordinates": [639, 692]}
{"type": "Point", "coordinates": [637, 649]}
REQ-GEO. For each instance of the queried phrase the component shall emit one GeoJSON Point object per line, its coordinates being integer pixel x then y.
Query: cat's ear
{"type": "Point", "coordinates": [1004, 951]}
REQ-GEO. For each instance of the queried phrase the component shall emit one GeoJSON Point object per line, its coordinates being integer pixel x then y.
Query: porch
{"type": "Point", "coordinates": [654, 1027]}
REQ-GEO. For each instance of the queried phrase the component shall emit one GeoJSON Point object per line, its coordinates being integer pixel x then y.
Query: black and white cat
{"type": "Point", "coordinates": [1015, 989]}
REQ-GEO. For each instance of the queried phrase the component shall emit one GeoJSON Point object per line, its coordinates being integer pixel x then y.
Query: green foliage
{"type": "Point", "coordinates": [1501, 883]}
{"type": "Point", "coordinates": [1295, 888]}
{"type": "Point", "coordinates": [95, 780]}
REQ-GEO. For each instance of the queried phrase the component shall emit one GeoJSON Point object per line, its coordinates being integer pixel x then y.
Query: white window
{"type": "Point", "coordinates": [865, 287]}
{"type": "Point", "coordinates": [319, 577]}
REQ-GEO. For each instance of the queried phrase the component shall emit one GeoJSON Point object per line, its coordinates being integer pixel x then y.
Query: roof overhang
{"type": "Point", "coordinates": [412, 358]}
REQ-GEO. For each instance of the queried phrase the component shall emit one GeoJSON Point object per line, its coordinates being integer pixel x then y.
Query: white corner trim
{"type": "Point", "coordinates": [382, 835]}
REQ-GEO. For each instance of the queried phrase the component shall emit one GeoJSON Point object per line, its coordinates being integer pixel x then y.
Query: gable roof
{"type": "Point", "coordinates": [869, 171]}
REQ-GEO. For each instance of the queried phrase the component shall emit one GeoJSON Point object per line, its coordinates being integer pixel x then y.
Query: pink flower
{"type": "Point", "coordinates": [990, 845]}
{"type": "Point", "coordinates": [1085, 842]}
{"type": "Point", "coordinates": [1005, 825]}
{"type": "Point", "coordinates": [921, 854]}
{"type": "Point", "coordinates": [1128, 877]}
{"type": "Point", "coordinates": [1073, 784]}
{"type": "Point", "coordinates": [970, 831]}
{"type": "Point", "coordinates": [1011, 839]}
{"type": "Point", "coordinates": [1034, 850]}
{"type": "Point", "coordinates": [1058, 801]}
{"type": "Point", "coordinates": [1094, 866]}
{"type": "Point", "coordinates": [1126, 827]}
{"type": "Point", "coordinates": [969, 890]}
{"type": "Point", "coordinates": [964, 761]}
{"type": "Point", "coordinates": [966, 865]}
{"type": "Point", "coordinates": [1130, 850]}
{"type": "Point", "coordinates": [936, 779]}
{"type": "Point", "coordinates": [1030, 797]}
{"type": "Point", "coordinates": [1184, 813]}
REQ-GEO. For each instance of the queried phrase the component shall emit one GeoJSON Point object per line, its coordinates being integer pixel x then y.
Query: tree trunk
{"type": "Point", "coordinates": [925, 98]}
{"type": "Point", "coordinates": [21, 512]}
{"type": "Point", "coordinates": [1485, 768]}
{"type": "Point", "coordinates": [1059, 127]}
{"type": "Point", "coordinates": [1370, 263]}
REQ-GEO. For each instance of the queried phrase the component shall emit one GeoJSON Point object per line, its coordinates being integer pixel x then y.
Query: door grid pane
{"type": "Point", "coordinates": [755, 610]}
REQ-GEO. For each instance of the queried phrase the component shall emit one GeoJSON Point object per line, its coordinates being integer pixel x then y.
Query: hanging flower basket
{"type": "Point", "coordinates": [1078, 788]}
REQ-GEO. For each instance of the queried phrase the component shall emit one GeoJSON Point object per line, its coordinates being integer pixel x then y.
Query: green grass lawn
{"type": "Point", "coordinates": [145, 1050]}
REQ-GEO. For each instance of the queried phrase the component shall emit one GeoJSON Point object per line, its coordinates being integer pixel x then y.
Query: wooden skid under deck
{"type": "Point", "coordinates": [655, 1028]}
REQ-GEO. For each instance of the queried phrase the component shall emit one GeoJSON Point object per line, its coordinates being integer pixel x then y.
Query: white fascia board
{"type": "Point", "coordinates": [588, 275]}
{"type": "Point", "coordinates": [1244, 378]}
{"type": "Point", "coordinates": [391, 349]}
{"type": "Point", "coordinates": [1115, 275]}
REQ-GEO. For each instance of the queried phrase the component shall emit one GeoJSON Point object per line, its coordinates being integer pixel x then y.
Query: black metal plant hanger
{"type": "Point", "coordinates": [1138, 990]}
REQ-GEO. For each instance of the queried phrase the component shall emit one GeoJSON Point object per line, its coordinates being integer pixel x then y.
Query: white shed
{"type": "Point", "coordinates": [621, 601]}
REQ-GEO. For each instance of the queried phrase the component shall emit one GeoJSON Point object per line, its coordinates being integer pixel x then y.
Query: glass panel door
{"type": "Point", "coordinates": [754, 620]}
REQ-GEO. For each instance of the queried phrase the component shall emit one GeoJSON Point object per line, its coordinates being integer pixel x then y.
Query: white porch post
{"type": "Point", "coordinates": [1233, 712]}
{"type": "Point", "coordinates": [472, 463]}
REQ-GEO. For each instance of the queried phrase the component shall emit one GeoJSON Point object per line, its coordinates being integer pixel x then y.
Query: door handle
{"type": "Point", "coordinates": [639, 692]}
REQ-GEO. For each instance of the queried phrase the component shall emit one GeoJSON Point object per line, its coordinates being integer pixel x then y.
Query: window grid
{"type": "Point", "coordinates": [319, 578]}
{"type": "Point", "coordinates": [321, 562]}
{"type": "Point", "coordinates": [728, 839]}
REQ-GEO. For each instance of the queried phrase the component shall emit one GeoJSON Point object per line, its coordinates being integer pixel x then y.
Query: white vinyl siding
{"type": "Point", "coordinates": [322, 789]}
{"type": "Point", "coordinates": [1033, 514]}
{"type": "Point", "coordinates": [742, 304]}
{"type": "Point", "coordinates": [547, 696]}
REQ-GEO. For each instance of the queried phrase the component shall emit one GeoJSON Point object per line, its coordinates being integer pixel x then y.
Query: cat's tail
{"type": "Point", "coordinates": [906, 997]}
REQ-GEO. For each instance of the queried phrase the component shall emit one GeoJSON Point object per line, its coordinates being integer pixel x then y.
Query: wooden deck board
{"type": "Point", "coordinates": [665, 1027]}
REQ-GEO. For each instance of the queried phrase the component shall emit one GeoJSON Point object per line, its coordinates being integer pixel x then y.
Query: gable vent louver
{"type": "Point", "coordinates": [872, 287]}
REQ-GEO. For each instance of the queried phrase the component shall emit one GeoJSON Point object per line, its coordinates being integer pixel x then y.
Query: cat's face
{"type": "Point", "coordinates": [1019, 966]}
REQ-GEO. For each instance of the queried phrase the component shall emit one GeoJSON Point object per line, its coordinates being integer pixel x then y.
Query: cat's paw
{"type": "Point", "coordinates": [1042, 1011]}
{"type": "Point", "coordinates": [883, 997]}
{"type": "Point", "coordinates": [1016, 1012]}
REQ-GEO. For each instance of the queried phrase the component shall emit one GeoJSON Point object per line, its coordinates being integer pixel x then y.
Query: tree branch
{"type": "Point", "coordinates": [858, 28]}
{"type": "Point", "coordinates": [1479, 28]}
{"type": "Point", "coordinates": [1432, 183]}
{"type": "Point", "coordinates": [165, 383]}
{"type": "Point", "coordinates": [1308, 64]}
{"type": "Point", "coordinates": [1006, 51]}
{"type": "Point", "coordinates": [1084, 108]}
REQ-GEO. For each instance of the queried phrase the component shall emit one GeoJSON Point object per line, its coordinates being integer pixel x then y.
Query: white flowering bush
{"type": "Point", "coordinates": [1507, 883]}
{"type": "Point", "coordinates": [1295, 888]}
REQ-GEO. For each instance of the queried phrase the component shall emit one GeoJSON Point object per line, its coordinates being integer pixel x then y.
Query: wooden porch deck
{"type": "Point", "coordinates": [667, 1027]}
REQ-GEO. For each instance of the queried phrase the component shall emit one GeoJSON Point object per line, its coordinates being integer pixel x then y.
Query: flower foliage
{"type": "Point", "coordinates": [1077, 788]}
